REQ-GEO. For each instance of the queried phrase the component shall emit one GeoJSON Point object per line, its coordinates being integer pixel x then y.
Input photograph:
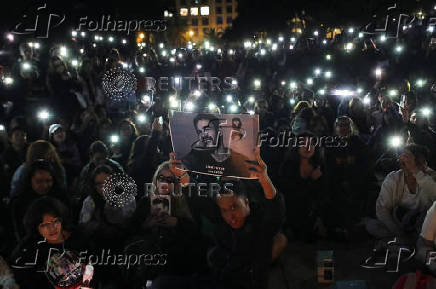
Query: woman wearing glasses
{"type": "Point", "coordinates": [49, 254]}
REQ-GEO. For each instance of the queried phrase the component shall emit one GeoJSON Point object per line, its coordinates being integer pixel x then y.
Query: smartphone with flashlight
{"type": "Point", "coordinates": [402, 101]}
{"type": "Point", "coordinates": [160, 120]}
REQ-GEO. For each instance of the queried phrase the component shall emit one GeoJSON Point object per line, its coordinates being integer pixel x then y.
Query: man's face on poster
{"type": "Point", "coordinates": [207, 133]}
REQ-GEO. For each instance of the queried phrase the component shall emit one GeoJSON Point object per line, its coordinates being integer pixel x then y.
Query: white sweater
{"type": "Point", "coordinates": [394, 193]}
{"type": "Point", "coordinates": [428, 231]}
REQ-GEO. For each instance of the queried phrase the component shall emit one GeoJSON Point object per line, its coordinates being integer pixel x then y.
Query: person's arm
{"type": "Point", "coordinates": [259, 171]}
{"type": "Point", "coordinates": [156, 129]}
{"type": "Point", "coordinates": [384, 205]}
{"type": "Point", "coordinates": [427, 182]}
{"type": "Point", "coordinates": [426, 240]}
{"type": "Point", "coordinates": [87, 211]}
{"type": "Point", "coordinates": [176, 169]}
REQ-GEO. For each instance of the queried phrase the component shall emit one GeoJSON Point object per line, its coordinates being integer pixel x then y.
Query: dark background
{"type": "Point", "coordinates": [254, 15]}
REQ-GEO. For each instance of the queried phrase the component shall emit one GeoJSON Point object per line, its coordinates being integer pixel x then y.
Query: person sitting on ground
{"type": "Point", "coordinates": [67, 150]}
{"type": "Point", "coordinates": [247, 238]}
{"type": "Point", "coordinates": [128, 134]}
{"type": "Point", "coordinates": [404, 197]}
{"type": "Point", "coordinates": [15, 154]}
{"type": "Point", "coordinates": [40, 181]}
{"type": "Point", "coordinates": [38, 150]}
{"type": "Point", "coordinates": [145, 157]}
{"type": "Point", "coordinates": [163, 223]}
{"type": "Point", "coordinates": [49, 236]}
{"type": "Point", "coordinates": [103, 222]}
{"type": "Point", "coordinates": [98, 155]}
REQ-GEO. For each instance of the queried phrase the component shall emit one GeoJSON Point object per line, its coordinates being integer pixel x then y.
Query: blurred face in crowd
{"type": "Point", "coordinates": [308, 150]}
{"type": "Point", "coordinates": [413, 118]}
{"type": "Point", "coordinates": [51, 228]}
{"type": "Point", "coordinates": [207, 133]}
{"type": "Point", "coordinates": [164, 182]}
{"type": "Point", "coordinates": [42, 182]}
{"type": "Point", "coordinates": [343, 127]}
{"type": "Point", "coordinates": [98, 158]}
{"type": "Point", "coordinates": [262, 107]}
{"type": "Point", "coordinates": [59, 136]}
{"type": "Point", "coordinates": [278, 105]}
{"type": "Point", "coordinates": [320, 102]}
{"type": "Point", "coordinates": [99, 182]}
{"type": "Point", "coordinates": [357, 107]}
{"type": "Point", "coordinates": [59, 66]}
{"type": "Point", "coordinates": [18, 138]}
{"type": "Point", "coordinates": [126, 131]}
{"type": "Point", "coordinates": [27, 53]}
{"type": "Point", "coordinates": [234, 210]}
{"type": "Point", "coordinates": [421, 163]}
{"type": "Point", "coordinates": [386, 103]}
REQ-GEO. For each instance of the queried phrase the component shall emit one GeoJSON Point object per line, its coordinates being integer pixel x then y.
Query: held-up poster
{"type": "Point", "coordinates": [215, 144]}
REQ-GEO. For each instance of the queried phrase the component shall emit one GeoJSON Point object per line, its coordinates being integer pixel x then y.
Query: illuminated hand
{"type": "Point", "coordinates": [405, 113]}
{"type": "Point", "coordinates": [176, 166]}
{"type": "Point", "coordinates": [258, 170]}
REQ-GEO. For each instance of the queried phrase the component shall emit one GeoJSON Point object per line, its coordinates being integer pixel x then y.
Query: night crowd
{"type": "Point", "coordinates": [63, 137]}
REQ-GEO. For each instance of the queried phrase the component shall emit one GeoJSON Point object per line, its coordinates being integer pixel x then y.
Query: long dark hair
{"type": "Point", "coordinates": [293, 158]}
{"type": "Point", "coordinates": [37, 165]}
{"type": "Point", "coordinates": [98, 199]}
{"type": "Point", "coordinates": [41, 207]}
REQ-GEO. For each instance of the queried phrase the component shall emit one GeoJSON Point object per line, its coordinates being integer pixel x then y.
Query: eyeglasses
{"type": "Point", "coordinates": [46, 226]}
{"type": "Point", "coordinates": [163, 178]}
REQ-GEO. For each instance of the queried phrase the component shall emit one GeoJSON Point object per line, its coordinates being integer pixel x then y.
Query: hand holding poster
{"type": "Point", "coordinates": [215, 144]}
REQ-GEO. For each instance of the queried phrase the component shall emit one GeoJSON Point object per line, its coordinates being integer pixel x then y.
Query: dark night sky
{"type": "Point", "coordinates": [254, 14]}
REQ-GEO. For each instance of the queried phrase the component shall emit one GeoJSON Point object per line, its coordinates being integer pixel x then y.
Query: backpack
{"type": "Point", "coordinates": [416, 280]}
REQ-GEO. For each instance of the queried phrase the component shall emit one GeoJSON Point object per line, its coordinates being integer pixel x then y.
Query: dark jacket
{"type": "Point", "coordinates": [144, 160]}
{"type": "Point", "coordinates": [29, 260]}
{"type": "Point", "coordinates": [242, 257]}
